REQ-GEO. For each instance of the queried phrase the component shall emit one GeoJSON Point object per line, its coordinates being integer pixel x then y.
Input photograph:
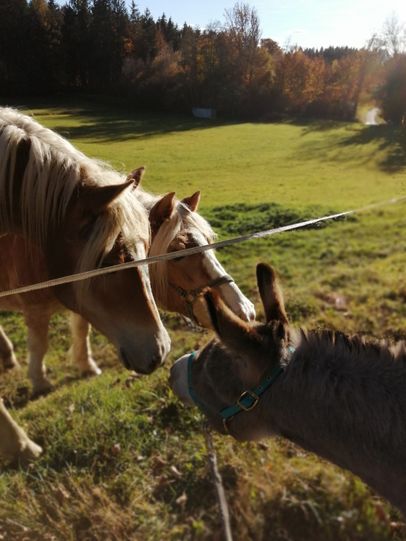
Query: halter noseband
{"type": "Point", "coordinates": [248, 399]}
{"type": "Point", "coordinates": [190, 296]}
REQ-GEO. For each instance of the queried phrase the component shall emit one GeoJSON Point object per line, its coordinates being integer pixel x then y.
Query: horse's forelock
{"type": "Point", "coordinates": [127, 218]}
{"type": "Point", "coordinates": [181, 221]}
{"type": "Point", "coordinates": [165, 235]}
{"type": "Point", "coordinates": [54, 170]}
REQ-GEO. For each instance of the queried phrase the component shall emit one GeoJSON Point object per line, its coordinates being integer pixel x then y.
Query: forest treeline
{"type": "Point", "coordinates": [100, 46]}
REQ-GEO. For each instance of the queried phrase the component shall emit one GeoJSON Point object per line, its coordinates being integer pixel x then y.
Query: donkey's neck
{"type": "Point", "coordinates": [345, 399]}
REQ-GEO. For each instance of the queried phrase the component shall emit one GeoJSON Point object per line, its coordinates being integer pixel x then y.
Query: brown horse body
{"type": "Point", "coordinates": [342, 398]}
{"type": "Point", "coordinates": [78, 214]}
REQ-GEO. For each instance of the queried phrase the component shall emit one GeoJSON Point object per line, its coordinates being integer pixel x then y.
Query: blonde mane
{"type": "Point", "coordinates": [182, 222]}
{"type": "Point", "coordinates": [54, 168]}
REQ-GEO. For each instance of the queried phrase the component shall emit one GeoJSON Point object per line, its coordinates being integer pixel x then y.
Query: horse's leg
{"type": "Point", "coordinates": [15, 445]}
{"type": "Point", "coordinates": [7, 356]}
{"type": "Point", "coordinates": [37, 324]}
{"type": "Point", "coordinates": [81, 352]}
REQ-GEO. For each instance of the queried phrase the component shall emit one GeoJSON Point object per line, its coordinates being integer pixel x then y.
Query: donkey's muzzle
{"type": "Point", "coordinates": [178, 380]}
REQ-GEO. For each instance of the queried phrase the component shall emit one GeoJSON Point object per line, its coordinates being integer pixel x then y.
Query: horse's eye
{"type": "Point", "coordinates": [177, 259]}
{"type": "Point", "coordinates": [86, 229]}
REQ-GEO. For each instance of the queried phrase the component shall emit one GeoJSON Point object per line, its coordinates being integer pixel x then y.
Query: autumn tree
{"type": "Point", "coordinates": [392, 93]}
{"type": "Point", "coordinates": [13, 44]}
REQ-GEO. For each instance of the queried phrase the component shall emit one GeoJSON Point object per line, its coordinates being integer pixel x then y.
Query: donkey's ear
{"type": "Point", "coordinates": [232, 331]}
{"type": "Point", "coordinates": [192, 202]}
{"type": "Point", "coordinates": [271, 294]}
{"type": "Point", "coordinates": [162, 210]}
{"type": "Point", "coordinates": [136, 176]}
{"type": "Point", "coordinates": [98, 198]}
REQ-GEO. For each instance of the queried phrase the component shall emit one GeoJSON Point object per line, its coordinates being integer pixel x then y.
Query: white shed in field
{"type": "Point", "coordinates": [201, 112]}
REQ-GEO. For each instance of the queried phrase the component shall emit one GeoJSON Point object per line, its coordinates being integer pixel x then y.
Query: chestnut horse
{"type": "Point", "coordinates": [177, 284]}
{"type": "Point", "coordinates": [15, 445]}
{"type": "Point", "coordinates": [79, 214]}
{"type": "Point", "coordinates": [340, 397]}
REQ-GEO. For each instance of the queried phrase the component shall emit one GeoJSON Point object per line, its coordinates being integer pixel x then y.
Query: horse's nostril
{"type": "Point", "coordinates": [124, 359]}
{"type": "Point", "coordinates": [156, 361]}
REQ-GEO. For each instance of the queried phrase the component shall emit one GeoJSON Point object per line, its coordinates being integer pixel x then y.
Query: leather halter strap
{"type": "Point", "coordinates": [249, 398]}
{"type": "Point", "coordinates": [190, 296]}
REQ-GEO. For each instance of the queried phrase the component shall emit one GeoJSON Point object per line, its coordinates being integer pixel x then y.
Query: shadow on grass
{"type": "Point", "coordinates": [311, 125]}
{"type": "Point", "coordinates": [386, 140]}
{"type": "Point", "coordinates": [114, 128]}
{"type": "Point", "coordinates": [113, 122]}
{"type": "Point", "coordinates": [242, 218]}
{"type": "Point", "coordinates": [390, 139]}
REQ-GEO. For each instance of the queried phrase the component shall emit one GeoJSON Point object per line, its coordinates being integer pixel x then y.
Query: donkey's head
{"type": "Point", "coordinates": [179, 284]}
{"type": "Point", "coordinates": [218, 376]}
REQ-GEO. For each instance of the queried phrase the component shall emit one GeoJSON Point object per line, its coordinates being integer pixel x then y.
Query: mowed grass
{"type": "Point", "coordinates": [123, 459]}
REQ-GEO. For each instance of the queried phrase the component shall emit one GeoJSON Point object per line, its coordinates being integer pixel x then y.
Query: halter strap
{"type": "Point", "coordinates": [248, 399]}
{"type": "Point", "coordinates": [190, 296]}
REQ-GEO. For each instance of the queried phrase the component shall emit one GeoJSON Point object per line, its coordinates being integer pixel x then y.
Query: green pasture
{"type": "Point", "coordinates": [123, 459]}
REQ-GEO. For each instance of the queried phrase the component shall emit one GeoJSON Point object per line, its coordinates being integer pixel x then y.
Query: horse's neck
{"type": "Point", "coordinates": [346, 402]}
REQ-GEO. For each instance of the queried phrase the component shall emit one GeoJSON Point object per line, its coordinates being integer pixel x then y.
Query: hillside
{"type": "Point", "coordinates": [123, 458]}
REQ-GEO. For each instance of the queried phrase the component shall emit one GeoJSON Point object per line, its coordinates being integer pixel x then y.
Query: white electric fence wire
{"type": "Point", "coordinates": [191, 251]}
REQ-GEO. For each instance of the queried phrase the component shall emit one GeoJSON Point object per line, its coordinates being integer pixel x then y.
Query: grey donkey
{"type": "Point", "coordinates": [340, 397]}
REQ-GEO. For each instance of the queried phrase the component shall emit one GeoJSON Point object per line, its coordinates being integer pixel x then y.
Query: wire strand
{"type": "Point", "coordinates": [191, 251]}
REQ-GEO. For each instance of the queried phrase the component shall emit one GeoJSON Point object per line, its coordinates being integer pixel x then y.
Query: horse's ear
{"type": "Point", "coordinates": [232, 331]}
{"type": "Point", "coordinates": [162, 210]}
{"type": "Point", "coordinates": [271, 294]}
{"type": "Point", "coordinates": [136, 176]}
{"type": "Point", "coordinates": [98, 198]}
{"type": "Point", "coordinates": [193, 201]}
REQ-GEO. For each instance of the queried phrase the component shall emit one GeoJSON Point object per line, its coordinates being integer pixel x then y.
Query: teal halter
{"type": "Point", "coordinates": [248, 400]}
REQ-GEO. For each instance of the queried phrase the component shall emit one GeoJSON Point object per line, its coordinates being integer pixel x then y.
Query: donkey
{"type": "Point", "coordinates": [15, 445]}
{"type": "Point", "coordinates": [79, 214]}
{"type": "Point", "coordinates": [338, 396]}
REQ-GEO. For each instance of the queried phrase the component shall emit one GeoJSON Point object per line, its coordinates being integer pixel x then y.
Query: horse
{"type": "Point", "coordinates": [177, 284]}
{"type": "Point", "coordinates": [338, 396]}
{"type": "Point", "coordinates": [15, 445]}
{"type": "Point", "coordinates": [79, 214]}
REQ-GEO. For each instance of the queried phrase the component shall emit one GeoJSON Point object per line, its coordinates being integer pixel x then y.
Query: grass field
{"type": "Point", "coordinates": [123, 459]}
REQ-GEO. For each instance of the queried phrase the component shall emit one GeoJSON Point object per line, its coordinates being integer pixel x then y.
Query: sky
{"type": "Point", "coordinates": [308, 23]}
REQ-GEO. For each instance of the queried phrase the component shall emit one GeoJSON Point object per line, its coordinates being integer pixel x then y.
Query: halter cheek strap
{"type": "Point", "coordinates": [190, 296]}
{"type": "Point", "coordinates": [248, 399]}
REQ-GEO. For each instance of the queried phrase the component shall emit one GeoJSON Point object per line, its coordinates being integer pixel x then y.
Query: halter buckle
{"type": "Point", "coordinates": [251, 395]}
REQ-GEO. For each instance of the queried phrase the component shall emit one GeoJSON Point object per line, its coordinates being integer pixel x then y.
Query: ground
{"type": "Point", "coordinates": [123, 459]}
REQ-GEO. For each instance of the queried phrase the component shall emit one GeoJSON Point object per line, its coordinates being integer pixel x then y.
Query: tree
{"type": "Point", "coordinates": [243, 27]}
{"type": "Point", "coordinates": [391, 95]}
{"type": "Point", "coordinates": [394, 36]}
{"type": "Point", "coordinates": [108, 30]}
{"type": "Point", "coordinates": [13, 45]}
{"type": "Point", "coordinates": [77, 43]}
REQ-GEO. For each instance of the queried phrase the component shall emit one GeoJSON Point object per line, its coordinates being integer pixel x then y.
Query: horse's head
{"type": "Point", "coordinates": [218, 376]}
{"type": "Point", "coordinates": [179, 284]}
{"type": "Point", "coordinates": [104, 226]}
{"type": "Point", "coordinates": [77, 213]}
